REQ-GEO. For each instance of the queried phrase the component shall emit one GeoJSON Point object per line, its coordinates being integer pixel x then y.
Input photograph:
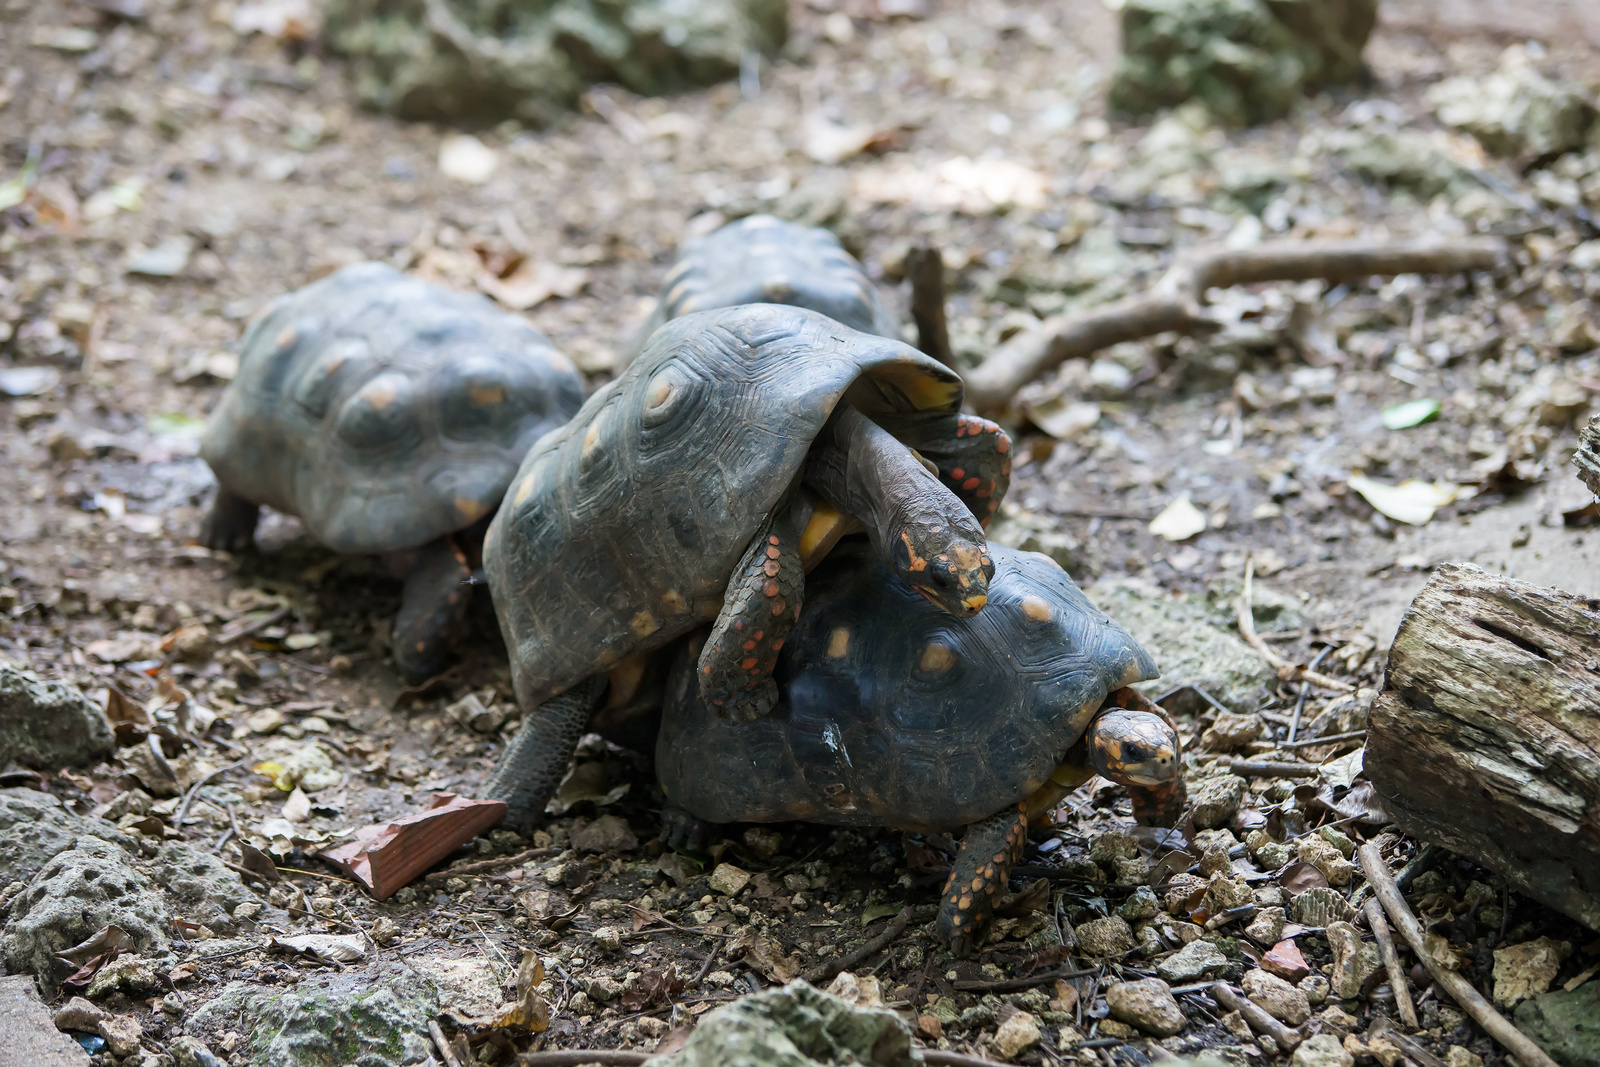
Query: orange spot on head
{"type": "Point", "coordinates": [748, 646]}
{"type": "Point", "coordinates": [914, 561]}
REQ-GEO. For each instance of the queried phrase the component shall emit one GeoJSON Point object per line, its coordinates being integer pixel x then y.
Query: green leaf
{"type": "Point", "coordinates": [175, 424]}
{"type": "Point", "coordinates": [1411, 413]}
{"type": "Point", "coordinates": [879, 911]}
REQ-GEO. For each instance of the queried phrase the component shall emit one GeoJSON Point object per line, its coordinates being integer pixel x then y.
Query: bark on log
{"type": "Point", "coordinates": [1587, 458]}
{"type": "Point", "coordinates": [1486, 738]}
{"type": "Point", "coordinates": [1176, 303]}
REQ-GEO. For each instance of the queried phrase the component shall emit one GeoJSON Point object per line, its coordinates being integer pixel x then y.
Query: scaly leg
{"type": "Point", "coordinates": [680, 830]}
{"type": "Point", "coordinates": [973, 455]}
{"type": "Point", "coordinates": [983, 866]}
{"type": "Point", "coordinates": [533, 763]}
{"type": "Point", "coordinates": [230, 525]}
{"type": "Point", "coordinates": [758, 610]}
{"type": "Point", "coordinates": [431, 610]}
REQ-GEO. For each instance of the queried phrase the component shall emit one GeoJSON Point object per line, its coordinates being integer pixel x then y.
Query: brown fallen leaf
{"type": "Point", "coordinates": [385, 857]}
{"type": "Point", "coordinates": [765, 956]}
{"type": "Point", "coordinates": [1300, 876]}
{"type": "Point", "coordinates": [1034, 897]}
{"type": "Point", "coordinates": [531, 284]}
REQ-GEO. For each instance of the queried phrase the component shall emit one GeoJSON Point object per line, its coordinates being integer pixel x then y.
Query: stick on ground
{"type": "Point", "coordinates": [1252, 1013]}
{"type": "Point", "coordinates": [1391, 962]}
{"type": "Point", "coordinates": [825, 971]}
{"type": "Point", "coordinates": [488, 865]}
{"type": "Point", "coordinates": [1461, 991]}
{"type": "Point", "coordinates": [1288, 672]}
{"type": "Point", "coordinates": [925, 268]}
{"type": "Point", "coordinates": [1177, 302]}
{"type": "Point", "coordinates": [1246, 768]}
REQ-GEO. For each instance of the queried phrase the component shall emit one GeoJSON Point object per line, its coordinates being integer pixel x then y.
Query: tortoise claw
{"type": "Point", "coordinates": [683, 832]}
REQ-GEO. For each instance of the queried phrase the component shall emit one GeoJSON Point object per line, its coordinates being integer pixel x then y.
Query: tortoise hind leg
{"type": "Point", "coordinates": [534, 762]}
{"type": "Point", "coordinates": [680, 830]}
{"type": "Point", "coordinates": [431, 610]}
{"type": "Point", "coordinates": [758, 610]}
{"type": "Point", "coordinates": [230, 525]}
{"type": "Point", "coordinates": [1141, 751]}
{"type": "Point", "coordinates": [982, 869]}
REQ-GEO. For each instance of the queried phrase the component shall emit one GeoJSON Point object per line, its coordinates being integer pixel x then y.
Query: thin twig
{"type": "Point", "coordinates": [489, 865]}
{"type": "Point", "coordinates": [1353, 735]}
{"type": "Point", "coordinates": [1460, 990]}
{"type": "Point", "coordinates": [1288, 672]}
{"type": "Point", "coordinates": [925, 268]}
{"type": "Point", "coordinates": [1177, 302]}
{"type": "Point", "coordinates": [1391, 962]}
{"type": "Point", "coordinates": [577, 1057]}
{"type": "Point", "coordinates": [1010, 984]}
{"type": "Point", "coordinates": [446, 1053]}
{"type": "Point", "coordinates": [822, 972]}
{"type": "Point", "coordinates": [1245, 768]}
{"type": "Point", "coordinates": [1305, 691]}
{"type": "Point", "coordinates": [188, 798]}
{"type": "Point", "coordinates": [231, 633]}
{"type": "Point", "coordinates": [1252, 1013]}
{"type": "Point", "coordinates": [941, 1058]}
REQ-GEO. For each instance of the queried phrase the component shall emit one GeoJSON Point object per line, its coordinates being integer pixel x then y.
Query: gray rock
{"type": "Point", "coordinates": [795, 1026]}
{"type": "Point", "coordinates": [1216, 800]}
{"type": "Point", "coordinates": [374, 1017]}
{"type": "Point", "coordinates": [48, 724]}
{"type": "Point", "coordinates": [1403, 158]}
{"type": "Point", "coordinates": [529, 59]}
{"type": "Point", "coordinates": [1147, 1004]}
{"type": "Point", "coordinates": [1191, 963]}
{"type": "Point", "coordinates": [29, 1033]}
{"type": "Point", "coordinates": [1245, 60]}
{"type": "Point", "coordinates": [1141, 904]}
{"type": "Point", "coordinates": [199, 887]}
{"type": "Point", "coordinates": [192, 1052]}
{"type": "Point", "coordinates": [34, 827]}
{"type": "Point", "coordinates": [1189, 645]}
{"type": "Point", "coordinates": [1322, 1050]}
{"type": "Point", "coordinates": [1516, 110]}
{"type": "Point", "coordinates": [1028, 532]}
{"type": "Point", "coordinates": [75, 895]}
{"type": "Point", "coordinates": [1566, 1025]}
{"type": "Point", "coordinates": [1110, 936]}
{"type": "Point", "coordinates": [1280, 1000]}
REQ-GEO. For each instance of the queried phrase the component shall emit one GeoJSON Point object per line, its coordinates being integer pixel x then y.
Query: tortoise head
{"type": "Point", "coordinates": [1134, 748]}
{"type": "Point", "coordinates": [951, 571]}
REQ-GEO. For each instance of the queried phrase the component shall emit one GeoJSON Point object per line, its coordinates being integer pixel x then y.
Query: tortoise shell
{"type": "Point", "coordinates": [894, 713]}
{"type": "Point", "coordinates": [384, 411]}
{"type": "Point", "coordinates": [621, 529]}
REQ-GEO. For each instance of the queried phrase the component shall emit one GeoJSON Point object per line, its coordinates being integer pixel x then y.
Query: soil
{"type": "Point", "coordinates": [251, 149]}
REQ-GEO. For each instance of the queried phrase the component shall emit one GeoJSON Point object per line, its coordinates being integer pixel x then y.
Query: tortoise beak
{"type": "Point", "coordinates": [974, 604]}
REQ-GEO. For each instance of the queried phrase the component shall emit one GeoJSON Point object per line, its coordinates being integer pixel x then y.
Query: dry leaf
{"type": "Point", "coordinates": [1412, 501]}
{"type": "Point", "coordinates": [1179, 520]}
{"type": "Point", "coordinates": [298, 807]}
{"type": "Point", "coordinates": [335, 948]}
{"type": "Point", "coordinates": [1063, 419]}
{"type": "Point", "coordinates": [531, 284]}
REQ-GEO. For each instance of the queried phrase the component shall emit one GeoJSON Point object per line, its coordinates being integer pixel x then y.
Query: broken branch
{"type": "Point", "coordinates": [1460, 990]}
{"type": "Point", "coordinates": [488, 865]}
{"type": "Point", "coordinates": [1256, 1016]}
{"type": "Point", "coordinates": [1267, 769]}
{"type": "Point", "coordinates": [1391, 962]}
{"type": "Point", "coordinates": [1177, 302]}
{"type": "Point", "coordinates": [1288, 672]}
{"type": "Point", "coordinates": [822, 972]}
{"type": "Point", "coordinates": [925, 268]}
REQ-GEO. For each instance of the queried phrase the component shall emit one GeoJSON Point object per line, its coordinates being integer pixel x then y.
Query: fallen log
{"type": "Point", "coordinates": [1486, 737]}
{"type": "Point", "coordinates": [1587, 457]}
{"type": "Point", "coordinates": [1177, 302]}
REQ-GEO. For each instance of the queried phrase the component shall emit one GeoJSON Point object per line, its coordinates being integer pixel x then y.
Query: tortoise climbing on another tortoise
{"type": "Point", "coordinates": [894, 714]}
{"type": "Point", "coordinates": [698, 486]}
{"type": "Point", "coordinates": [389, 415]}
{"type": "Point", "coordinates": [762, 259]}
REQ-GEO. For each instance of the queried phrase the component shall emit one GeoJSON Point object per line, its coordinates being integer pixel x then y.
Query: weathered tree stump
{"type": "Point", "coordinates": [1486, 738]}
{"type": "Point", "coordinates": [1587, 458]}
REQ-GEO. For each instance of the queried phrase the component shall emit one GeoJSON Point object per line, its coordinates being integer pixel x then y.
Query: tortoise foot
{"type": "Point", "coordinates": [230, 525]}
{"type": "Point", "coordinates": [431, 611]}
{"type": "Point", "coordinates": [982, 869]}
{"type": "Point", "coordinates": [535, 761]}
{"type": "Point", "coordinates": [760, 607]}
{"type": "Point", "coordinates": [685, 833]}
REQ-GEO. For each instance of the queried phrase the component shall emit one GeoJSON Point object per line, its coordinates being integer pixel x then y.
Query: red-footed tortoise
{"type": "Point", "coordinates": [389, 415]}
{"type": "Point", "coordinates": [696, 488]}
{"type": "Point", "coordinates": [895, 714]}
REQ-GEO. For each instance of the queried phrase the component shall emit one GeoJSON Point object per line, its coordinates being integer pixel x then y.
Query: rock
{"type": "Point", "coordinates": [49, 725]}
{"type": "Point", "coordinates": [1457, 1056]}
{"type": "Point", "coordinates": [122, 1033]}
{"type": "Point", "coordinates": [1325, 858]}
{"type": "Point", "coordinates": [1190, 645]}
{"type": "Point", "coordinates": [1027, 532]}
{"type": "Point", "coordinates": [1110, 936]}
{"type": "Point", "coordinates": [1266, 927]}
{"type": "Point", "coordinates": [795, 1026]}
{"type": "Point", "coordinates": [34, 827]}
{"type": "Point", "coordinates": [1225, 893]}
{"type": "Point", "coordinates": [165, 260]}
{"type": "Point", "coordinates": [80, 1014]}
{"type": "Point", "coordinates": [551, 52]}
{"type": "Point", "coordinates": [1245, 60]}
{"type": "Point", "coordinates": [199, 887]}
{"type": "Point", "coordinates": [30, 1036]}
{"type": "Point", "coordinates": [1516, 110]}
{"type": "Point", "coordinates": [608, 938]}
{"type": "Point", "coordinates": [728, 879]}
{"type": "Point", "coordinates": [1566, 1025]}
{"type": "Point", "coordinates": [1285, 961]}
{"type": "Point", "coordinates": [470, 711]}
{"type": "Point", "coordinates": [1404, 158]}
{"type": "Point", "coordinates": [604, 989]}
{"type": "Point", "coordinates": [864, 991]}
{"type": "Point", "coordinates": [1017, 1035]}
{"type": "Point", "coordinates": [189, 1051]}
{"type": "Point", "coordinates": [1113, 845]}
{"type": "Point", "coordinates": [1320, 906]}
{"type": "Point", "coordinates": [376, 1017]}
{"type": "Point", "coordinates": [1278, 998]}
{"type": "Point", "coordinates": [1191, 963]}
{"type": "Point", "coordinates": [1315, 987]}
{"type": "Point", "coordinates": [1147, 1004]}
{"type": "Point", "coordinates": [1354, 961]}
{"type": "Point", "coordinates": [75, 895]}
{"type": "Point", "coordinates": [1141, 904]}
{"type": "Point", "coordinates": [1231, 732]}
{"type": "Point", "coordinates": [608, 833]}
{"type": "Point", "coordinates": [1216, 800]}
{"type": "Point", "coordinates": [1322, 1050]}
{"type": "Point", "coordinates": [125, 974]}
{"type": "Point", "coordinates": [1526, 970]}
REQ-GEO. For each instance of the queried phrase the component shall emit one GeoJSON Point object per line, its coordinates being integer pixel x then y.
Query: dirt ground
{"type": "Point", "coordinates": [988, 138]}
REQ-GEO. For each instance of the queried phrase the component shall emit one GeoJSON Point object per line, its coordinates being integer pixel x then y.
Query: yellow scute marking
{"type": "Point", "coordinates": [937, 658]}
{"type": "Point", "coordinates": [644, 624]}
{"type": "Point", "coordinates": [483, 395]}
{"type": "Point", "coordinates": [1035, 608]}
{"type": "Point", "coordinates": [674, 602]}
{"type": "Point", "coordinates": [524, 491]}
{"type": "Point", "coordinates": [469, 509]}
{"type": "Point", "coordinates": [379, 396]}
{"type": "Point", "coordinates": [838, 643]}
{"type": "Point", "coordinates": [591, 437]}
{"type": "Point", "coordinates": [659, 392]}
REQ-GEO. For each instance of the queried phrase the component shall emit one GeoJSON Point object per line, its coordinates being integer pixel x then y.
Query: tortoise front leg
{"type": "Point", "coordinates": [534, 762]}
{"type": "Point", "coordinates": [680, 830]}
{"type": "Point", "coordinates": [973, 455]}
{"type": "Point", "coordinates": [758, 610]}
{"type": "Point", "coordinates": [432, 609]}
{"type": "Point", "coordinates": [230, 525]}
{"type": "Point", "coordinates": [1140, 750]}
{"type": "Point", "coordinates": [983, 867]}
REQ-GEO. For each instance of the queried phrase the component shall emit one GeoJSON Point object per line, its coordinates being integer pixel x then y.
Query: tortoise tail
{"type": "Point", "coordinates": [983, 866]}
{"type": "Point", "coordinates": [534, 762]}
